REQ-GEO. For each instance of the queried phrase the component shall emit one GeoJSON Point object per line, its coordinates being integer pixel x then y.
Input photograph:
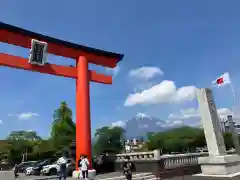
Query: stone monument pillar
{"type": "Point", "coordinates": [218, 164]}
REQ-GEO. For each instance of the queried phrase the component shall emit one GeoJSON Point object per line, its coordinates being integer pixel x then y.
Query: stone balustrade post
{"type": "Point", "coordinates": [156, 154]}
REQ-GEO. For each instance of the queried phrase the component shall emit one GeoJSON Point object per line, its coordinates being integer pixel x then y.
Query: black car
{"type": "Point", "coordinates": [71, 167]}
{"type": "Point", "coordinates": [23, 165]}
{"type": "Point", "coordinates": [37, 169]}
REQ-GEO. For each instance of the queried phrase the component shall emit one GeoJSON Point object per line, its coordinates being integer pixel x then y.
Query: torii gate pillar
{"type": "Point", "coordinates": [83, 123]}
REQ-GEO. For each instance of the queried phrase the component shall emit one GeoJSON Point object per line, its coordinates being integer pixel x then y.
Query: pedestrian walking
{"type": "Point", "coordinates": [128, 168]}
{"type": "Point", "coordinates": [83, 165]}
{"type": "Point", "coordinates": [62, 162]}
{"type": "Point", "coordinates": [15, 171]}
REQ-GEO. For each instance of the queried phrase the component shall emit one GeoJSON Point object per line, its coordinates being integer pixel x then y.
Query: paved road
{"type": "Point", "coordinates": [8, 175]}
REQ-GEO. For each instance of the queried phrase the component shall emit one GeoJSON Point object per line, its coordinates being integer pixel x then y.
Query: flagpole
{"type": "Point", "coordinates": [234, 97]}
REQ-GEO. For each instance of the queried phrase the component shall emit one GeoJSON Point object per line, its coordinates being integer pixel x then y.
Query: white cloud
{"type": "Point", "coordinates": [185, 114]}
{"type": "Point", "coordinates": [191, 117]}
{"type": "Point", "coordinates": [169, 123]}
{"type": "Point", "coordinates": [164, 92]}
{"type": "Point", "coordinates": [29, 115]}
{"type": "Point", "coordinates": [25, 115]}
{"type": "Point", "coordinates": [118, 124]}
{"type": "Point", "coordinates": [145, 72]}
{"type": "Point", "coordinates": [174, 123]}
{"type": "Point", "coordinates": [1, 121]}
{"type": "Point", "coordinates": [194, 113]}
{"type": "Point", "coordinates": [223, 112]}
{"type": "Point", "coordinates": [113, 71]}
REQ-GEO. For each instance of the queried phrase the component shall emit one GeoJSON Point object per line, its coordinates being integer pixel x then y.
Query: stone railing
{"type": "Point", "coordinates": [173, 161]}
{"type": "Point", "coordinates": [139, 156]}
{"type": "Point", "coordinates": [170, 161]}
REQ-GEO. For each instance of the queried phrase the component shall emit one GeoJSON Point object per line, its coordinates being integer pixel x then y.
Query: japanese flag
{"type": "Point", "coordinates": [222, 80]}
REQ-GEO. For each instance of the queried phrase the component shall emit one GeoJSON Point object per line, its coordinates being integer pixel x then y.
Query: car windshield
{"type": "Point", "coordinates": [26, 163]}
{"type": "Point", "coordinates": [33, 163]}
{"type": "Point", "coordinates": [41, 163]}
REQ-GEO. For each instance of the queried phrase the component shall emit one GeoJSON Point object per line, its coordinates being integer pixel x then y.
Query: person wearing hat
{"type": "Point", "coordinates": [128, 168]}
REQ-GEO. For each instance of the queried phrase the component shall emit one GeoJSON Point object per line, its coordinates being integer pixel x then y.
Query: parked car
{"type": "Point", "coordinates": [53, 169]}
{"type": "Point", "coordinates": [28, 171]}
{"type": "Point", "coordinates": [36, 170]}
{"type": "Point", "coordinates": [71, 167]}
{"type": "Point", "coordinates": [23, 165]}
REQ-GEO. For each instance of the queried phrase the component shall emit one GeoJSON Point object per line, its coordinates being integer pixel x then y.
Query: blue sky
{"type": "Point", "coordinates": [177, 44]}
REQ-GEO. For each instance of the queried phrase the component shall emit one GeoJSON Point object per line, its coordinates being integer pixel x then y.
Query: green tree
{"type": "Point", "coordinates": [20, 143]}
{"type": "Point", "coordinates": [44, 149]}
{"type": "Point", "coordinates": [17, 149]}
{"type": "Point", "coordinates": [228, 140]}
{"type": "Point", "coordinates": [24, 135]}
{"type": "Point", "coordinates": [4, 149]}
{"type": "Point", "coordinates": [63, 128]}
{"type": "Point", "coordinates": [177, 140]}
{"type": "Point", "coordinates": [108, 139]}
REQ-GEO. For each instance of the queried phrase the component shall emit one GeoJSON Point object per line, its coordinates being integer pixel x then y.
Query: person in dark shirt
{"type": "Point", "coordinates": [128, 168]}
{"type": "Point", "coordinates": [79, 168]}
{"type": "Point", "coordinates": [15, 171]}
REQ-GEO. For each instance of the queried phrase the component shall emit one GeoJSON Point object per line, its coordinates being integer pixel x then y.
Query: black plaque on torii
{"type": "Point", "coordinates": [38, 53]}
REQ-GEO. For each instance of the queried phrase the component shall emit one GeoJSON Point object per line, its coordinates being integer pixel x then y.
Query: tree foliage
{"type": "Point", "coordinates": [30, 144]}
{"type": "Point", "coordinates": [177, 140]}
{"type": "Point", "coordinates": [183, 139]}
{"type": "Point", "coordinates": [24, 135]}
{"type": "Point", "coordinates": [228, 140]}
{"type": "Point", "coordinates": [108, 139]}
{"type": "Point", "coordinates": [63, 127]}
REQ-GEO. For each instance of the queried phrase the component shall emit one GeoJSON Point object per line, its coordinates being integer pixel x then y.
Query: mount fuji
{"type": "Point", "coordinates": [142, 124]}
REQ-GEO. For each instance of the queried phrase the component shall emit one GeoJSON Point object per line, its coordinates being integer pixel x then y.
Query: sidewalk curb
{"type": "Point", "coordinates": [45, 178]}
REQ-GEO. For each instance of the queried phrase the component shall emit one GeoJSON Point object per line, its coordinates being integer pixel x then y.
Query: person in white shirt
{"type": "Point", "coordinates": [62, 162]}
{"type": "Point", "coordinates": [83, 166]}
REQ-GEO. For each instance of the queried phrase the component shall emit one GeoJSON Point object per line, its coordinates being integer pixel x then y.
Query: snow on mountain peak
{"type": "Point", "coordinates": [141, 116]}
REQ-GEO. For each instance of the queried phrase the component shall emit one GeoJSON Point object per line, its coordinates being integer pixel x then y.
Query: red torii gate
{"type": "Point", "coordinates": [83, 56]}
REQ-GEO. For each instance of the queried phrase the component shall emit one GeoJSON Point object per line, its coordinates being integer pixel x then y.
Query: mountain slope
{"type": "Point", "coordinates": [140, 125]}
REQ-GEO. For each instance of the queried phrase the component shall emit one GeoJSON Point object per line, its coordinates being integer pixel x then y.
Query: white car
{"type": "Point", "coordinates": [52, 169]}
{"type": "Point", "coordinates": [28, 171]}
